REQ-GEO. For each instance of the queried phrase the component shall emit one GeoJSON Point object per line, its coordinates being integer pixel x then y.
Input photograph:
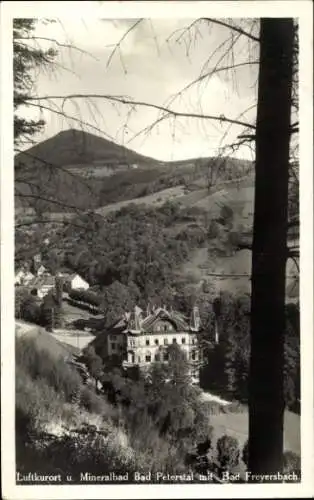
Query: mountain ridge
{"type": "Point", "coordinates": [75, 146]}
{"type": "Point", "coordinates": [78, 170]}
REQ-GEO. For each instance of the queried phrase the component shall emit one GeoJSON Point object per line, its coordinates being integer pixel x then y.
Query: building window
{"type": "Point", "coordinates": [120, 347]}
{"type": "Point", "coordinates": [183, 340]}
{"type": "Point", "coordinates": [165, 328]}
{"type": "Point", "coordinates": [113, 346]}
{"type": "Point", "coordinates": [165, 341]}
{"type": "Point", "coordinates": [174, 340]}
{"type": "Point", "coordinates": [139, 359]}
{"type": "Point", "coordinates": [193, 341]}
{"type": "Point", "coordinates": [194, 355]}
{"type": "Point", "coordinates": [147, 341]}
{"type": "Point", "coordinates": [156, 341]}
{"type": "Point", "coordinates": [148, 358]}
{"type": "Point", "coordinates": [157, 357]}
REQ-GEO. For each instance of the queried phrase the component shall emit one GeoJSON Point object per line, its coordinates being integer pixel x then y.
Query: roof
{"type": "Point", "coordinates": [24, 272]}
{"type": "Point", "coordinates": [41, 281]}
{"type": "Point", "coordinates": [174, 317]}
{"type": "Point", "coordinates": [71, 276]}
{"type": "Point", "coordinates": [129, 322]}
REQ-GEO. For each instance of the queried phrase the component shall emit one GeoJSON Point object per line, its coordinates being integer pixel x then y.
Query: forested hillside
{"type": "Point", "coordinates": [76, 170]}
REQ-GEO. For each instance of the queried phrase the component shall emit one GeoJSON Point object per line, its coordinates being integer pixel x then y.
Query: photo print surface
{"type": "Point", "coordinates": [157, 251]}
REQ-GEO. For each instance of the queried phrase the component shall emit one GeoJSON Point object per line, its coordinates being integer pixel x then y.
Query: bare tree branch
{"type": "Point", "coordinates": [232, 27]}
{"type": "Point", "coordinates": [59, 44]}
{"type": "Point", "coordinates": [128, 101]}
{"type": "Point", "coordinates": [117, 46]}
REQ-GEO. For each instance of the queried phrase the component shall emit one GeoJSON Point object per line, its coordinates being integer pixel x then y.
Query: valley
{"type": "Point", "coordinates": [136, 234]}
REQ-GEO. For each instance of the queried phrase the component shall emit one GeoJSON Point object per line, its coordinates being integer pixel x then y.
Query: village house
{"type": "Point", "coordinates": [23, 277]}
{"type": "Point", "coordinates": [139, 339]}
{"type": "Point", "coordinates": [74, 282]}
{"type": "Point", "coordinates": [42, 270]}
{"type": "Point", "coordinates": [41, 285]}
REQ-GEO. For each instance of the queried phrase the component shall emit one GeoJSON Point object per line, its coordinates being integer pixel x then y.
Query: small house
{"type": "Point", "coordinates": [42, 285]}
{"type": "Point", "coordinates": [76, 282]}
{"type": "Point", "coordinates": [23, 277]}
{"type": "Point", "coordinates": [42, 270]}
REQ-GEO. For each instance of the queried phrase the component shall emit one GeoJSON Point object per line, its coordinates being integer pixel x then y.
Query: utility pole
{"type": "Point", "coordinates": [52, 318]}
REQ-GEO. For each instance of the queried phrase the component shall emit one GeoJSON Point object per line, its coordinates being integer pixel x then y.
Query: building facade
{"type": "Point", "coordinates": [140, 339]}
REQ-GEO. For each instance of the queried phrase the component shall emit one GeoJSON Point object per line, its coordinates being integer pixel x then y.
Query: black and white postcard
{"type": "Point", "coordinates": [157, 249]}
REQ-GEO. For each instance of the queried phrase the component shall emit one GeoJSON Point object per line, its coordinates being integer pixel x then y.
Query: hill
{"type": "Point", "coordinates": [44, 340]}
{"type": "Point", "coordinates": [76, 170]}
{"type": "Point", "coordinates": [74, 147]}
{"type": "Point", "coordinates": [51, 176]}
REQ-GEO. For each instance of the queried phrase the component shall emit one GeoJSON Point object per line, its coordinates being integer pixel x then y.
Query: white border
{"type": "Point", "coordinates": [298, 8]}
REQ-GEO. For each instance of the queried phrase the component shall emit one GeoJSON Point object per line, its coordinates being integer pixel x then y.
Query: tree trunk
{"type": "Point", "coordinates": [266, 398]}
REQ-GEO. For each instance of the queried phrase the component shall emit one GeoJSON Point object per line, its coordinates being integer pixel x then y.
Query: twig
{"type": "Point", "coordinates": [232, 27]}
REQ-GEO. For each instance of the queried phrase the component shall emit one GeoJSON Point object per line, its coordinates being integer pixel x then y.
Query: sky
{"type": "Point", "coordinates": [155, 60]}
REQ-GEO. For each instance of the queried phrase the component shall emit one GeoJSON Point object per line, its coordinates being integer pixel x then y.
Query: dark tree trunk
{"type": "Point", "coordinates": [266, 395]}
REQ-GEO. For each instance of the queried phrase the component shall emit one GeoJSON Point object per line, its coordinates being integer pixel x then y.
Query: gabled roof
{"type": "Point", "coordinates": [71, 277]}
{"type": "Point", "coordinates": [174, 317]}
{"type": "Point", "coordinates": [129, 323]}
{"type": "Point", "coordinates": [42, 267]}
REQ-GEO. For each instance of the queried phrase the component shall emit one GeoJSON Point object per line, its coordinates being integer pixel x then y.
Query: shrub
{"type": "Point", "coordinates": [228, 452]}
{"type": "Point", "coordinates": [94, 403]}
{"type": "Point", "coordinates": [291, 463]}
{"type": "Point", "coordinates": [36, 402]}
{"type": "Point", "coordinates": [39, 364]}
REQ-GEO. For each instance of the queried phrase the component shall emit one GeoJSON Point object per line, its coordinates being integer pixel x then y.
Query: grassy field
{"type": "Point", "coordinates": [205, 264]}
{"type": "Point", "coordinates": [73, 339]}
{"type": "Point", "coordinates": [153, 200]}
{"type": "Point", "coordinates": [236, 425]}
{"type": "Point", "coordinates": [45, 340]}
